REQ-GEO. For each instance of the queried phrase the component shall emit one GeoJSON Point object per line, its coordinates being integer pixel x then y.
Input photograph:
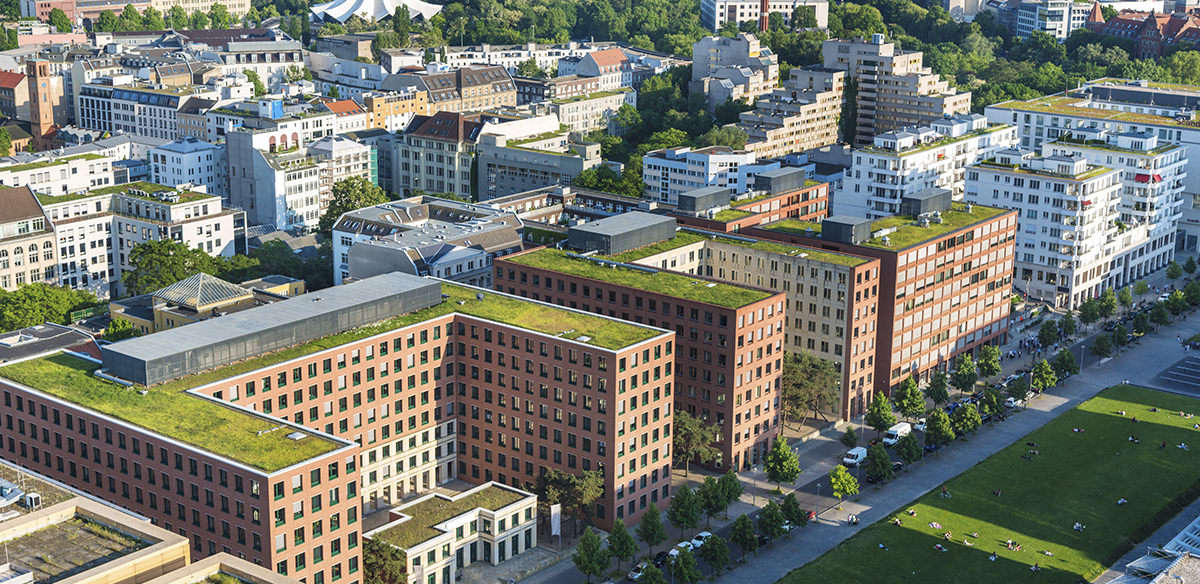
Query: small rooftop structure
{"type": "Point", "coordinates": [43, 338]}
{"type": "Point", "coordinates": [620, 233]}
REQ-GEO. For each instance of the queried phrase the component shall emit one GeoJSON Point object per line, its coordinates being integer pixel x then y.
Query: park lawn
{"type": "Point", "coordinates": [1076, 477]}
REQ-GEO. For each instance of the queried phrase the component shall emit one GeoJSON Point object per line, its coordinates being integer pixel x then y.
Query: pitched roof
{"type": "Point", "coordinates": [446, 126]}
{"type": "Point", "coordinates": [201, 290]}
{"type": "Point", "coordinates": [608, 57]}
{"type": "Point", "coordinates": [1096, 15]}
{"type": "Point", "coordinates": [345, 107]}
{"type": "Point", "coordinates": [17, 203]}
{"type": "Point", "coordinates": [10, 80]}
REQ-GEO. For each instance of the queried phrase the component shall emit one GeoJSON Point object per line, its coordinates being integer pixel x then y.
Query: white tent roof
{"type": "Point", "coordinates": [342, 10]}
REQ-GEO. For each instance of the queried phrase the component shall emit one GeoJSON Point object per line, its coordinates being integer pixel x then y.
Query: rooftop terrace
{"type": "Point", "coordinates": [425, 514]}
{"type": "Point", "coordinates": [908, 233]}
{"type": "Point", "coordinates": [944, 141]}
{"type": "Point", "coordinates": [661, 282]}
{"type": "Point", "coordinates": [61, 550]}
{"type": "Point", "coordinates": [1068, 105]}
{"type": "Point", "coordinates": [170, 410]}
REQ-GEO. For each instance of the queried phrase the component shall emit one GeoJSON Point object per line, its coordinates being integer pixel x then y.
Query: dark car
{"type": "Point", "coordinates": [660, 559]}
{"type": "Point", "coordinates": [762, 540]}
{"type": "Point", "coordinates": [1108, 326]}
{"type": "Point", "coordinates": [896, 467]}
{"type": "Point", "coordinates": [931, 448]}
{"type": "Point", "coordinates": [985, 418]}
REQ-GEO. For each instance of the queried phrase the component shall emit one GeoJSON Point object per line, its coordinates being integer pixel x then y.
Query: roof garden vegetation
{"type": "Point", "coordinates": [684, 238]}
{"type": "Point", "coordinates": [1068, 138]}
{"type": "Point", "coordinates": [921, 147]}
{"type": "Point", "coordinates": [795, 227]}
{"type": "Point", "coordinates": [727, 215]}
{"type": "Point", "coordinates": [661, 282]}
{"type": "Point", "coordinates": [908, 233]}
{"type": "Point", "coordinates": [169, 411]}
{"type": "Point", "coordinates": [424, 515]}
{"type": "Point", "coordinates": [1067, 105]}
{"type": "Point", "coordinates": [49, 162]}
{"type": "Point", "coordinates": [593, 95]}
{"type": "Point", "coordinates": [150, 188]}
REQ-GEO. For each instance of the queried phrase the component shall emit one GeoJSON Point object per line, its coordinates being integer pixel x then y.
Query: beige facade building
{"type": "Point", "coordinates": [725, 69]}
{"type": "Point", "coordinates": [236, 7]}
{"type": "Point", "coordinates": [393, 110]}
{"type": "Point", "coordinates": [891, 88]}
{"type": "Point", "coordinates": [466, 89]}
{"type": "Point", "coordinates": [593, 111]}
{"type": "Point", "coordinates": [802, 115]}
{"type": "Point", "coordinates": [27, 248]}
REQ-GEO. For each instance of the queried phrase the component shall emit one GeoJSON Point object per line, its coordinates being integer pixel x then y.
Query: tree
{"type": "Point", "coordinates": [5, 142]}
{"type": "Point", "coordinates": [158, 264]}
{"type": "Point", "coordinates": [1190, 265]}
{"type": "Point", "coordinates": [130, 19]}
{"type": "Point", "coordinates": [938, 430]}
{"type": "Point", "coordinates": [770, 520]}
{"type": "Point", "coordinates": [964, 376]}
{"type": "Point", "coordinates": [992, 402]}
{"type": "Point", "coordinates": [989, 361]}
{"type": "Point", "coordinates": [909, 449]}
{"type": "Point", "coordinates": [1141, 323]}
{"type": "Point", "coordinates": [694, 440]}
{"type": "Point", "coordinates": [1067, 324]}
{"type": "Point", "coordinates": [651, 531]}
{"type": "Point", "coordinates": [106, 22]}
{"type": "Point", "coordinates": [850, 437]}
{"type": "Point", "coordinates": [684, 511]}
{"type": "Point", "coordinates": [781, 464]}
{"type": "Point", "coordinates": [715, 551]}
{"type": "Point", "coordinates": [742, 533]}
{"type": "Point", "coordinates": [1042, 377]}
{"type": "Point", "coordinates": [1018, 389]}
{"type": "Point", "coordinates": [1141, 287]}
{"type": "Point", "coordinates": [808, 384]}
{"type": "Point", "coordinates": [908, 399]}
{"type": "Point", "coordinates": [620, 544]}
{"type": "Point", "coordinates": [879, 414]}
{"type": "Point", "coordinates": [652, 575]}
{"type": "Point", "coordinates": [576, 493]}
{"type": "Point", "coordinates": [937, 388]}
{"type": "Point", "coordinates": [119, 329]}
{"type": "Point", "coordinates": [383, 562]}
{"type": "Point", "coordinates": [730, 136]}
{"type": "Point", "coordinates": [1176, 303]}
{"type": "Point", "coordinates": [1048, 333]}
{"type": "Point", "coordinates": [711, 496]}
{"type": "Point", "coordinates": [220, 17]}
{"type": "Point", "coordinates": [1102, 348]}
{"type": "Point", "coordinates": [199, 21]}
{"type": "Point", "coordinates": [792, 511]}
{"type": "Point", "coordinates": [38, 303]}
{"type": "Point", "coordinates": [1120, 336]}
{"type": "Point", "coordinates": [529, 68]}
{"type": "Point", "coordinates": [804, 17]}
{"type": "Point", "coordinates": [844, 484]}
{"type": "Point", "coordinates": [1125, 297]}
{"type": "Point", "coordinates": [259, 89]}
{"type": "Point", "coordinates": [1108, 303]}
{"type": "Point", "coordinates": [1191, 292]}
{"type": "Point", "coordinates": [402, 23]}
{"type": "Point", "coordinates": [1065, 364]}
{"type": "Point", "coordinates": [177, 17]}
{"type": "Point", "coordinates": [731, 488]}
{"type": "Point", "coordinates": [59, 20]}
{"type": "Point", "coordinates": [590, 556]}
{"type": "Point", "coordinates": [152, 19]}
{"type": "Point", "coordinates": [1159, 315]}
{"type": "Point", "coordinates": [1089, 311]}
{"type": "Point", "coordinates": [878, 463]}
{"type": "Point", "coordinates": [1174, 270]}
{"type": "Point", "coordinates": [349, 194]}
{"type": "Point", "coordinates": [966, 418]}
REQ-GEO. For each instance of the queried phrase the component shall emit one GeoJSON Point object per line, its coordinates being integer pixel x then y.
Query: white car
{"type": "Point", "coordinates": [701, 539]}
{"type": "Point", "coordinates": [683, 545]}
{"type": "Point", "coordinates": [1013, 402]}
{"type": "Point", "coordinates": [637, 571]}
{"type": "Point", "coordinates": [920, 425]}
{"type": "Point", "coordinates": [787, 526]}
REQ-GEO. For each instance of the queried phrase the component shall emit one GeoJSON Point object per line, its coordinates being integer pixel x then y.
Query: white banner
{"type": "Point", "coordinates": [556, 519]}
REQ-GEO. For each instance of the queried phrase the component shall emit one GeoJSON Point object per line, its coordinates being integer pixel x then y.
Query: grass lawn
{"type": "Point", "coordinates": [1076, 477]}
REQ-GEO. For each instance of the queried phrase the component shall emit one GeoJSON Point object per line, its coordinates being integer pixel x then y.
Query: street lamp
{"type": "Point", "coordinates": [817, 512]}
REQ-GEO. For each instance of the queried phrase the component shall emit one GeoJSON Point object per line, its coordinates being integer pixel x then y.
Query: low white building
{"type": "Point", "coordinates": [1068, 237]}
{"type": "Point", "coordinates": [715, 13]}
{"type": "Point", "coordinates": [57, 174]}
{"type": "Point", "coordinates": [192, 162]}
{"type": "Point", "coordinates": [907, 161]}
{"type": "Point", "coordinates": [671, 171]}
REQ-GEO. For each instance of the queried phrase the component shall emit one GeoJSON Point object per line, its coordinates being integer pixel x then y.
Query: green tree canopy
{"type": "Point", "coordinates": [651, 530]}
{"type": "Point", "coordinates": [259, 89]}
{"type": "Point", "coordinates": [106, 22]}
{"type": "Point", "coordinates": [1048, 333]}
{"type": "Point", "coordinates": [711, 494]}
{"type": "Point", "coordinates": [716, 552]}
{"type": "Point", "coordinates": [1067, 323]}
{"type": "Point", "coordinates": [909, 449]}
{"type": "Point", "coordinates": [620, 544]}
{"type": "Point", "coordinates": [742, 533]}
{"type": "Point", "coordinates": [177, 17]}
{"type": "Point", "coordinates": [850, 437]}
{"type": "Point", "coordinates": [1102, 347]}
{"type": "Point", "coordinates": [966, 418]}
{"type": "Point", "coordinates": [964, 376]}
{"type": "Point", "coordinates": [59, 20]}
{"type": "Point", "coordinates": [1043, 376]}
{"type": "Point", "coordinates": [383, 563]}
{"type": "Point", "coordinates": [119, 329]}
{"type": "Point", "coordinates": [731, 488]}
{"type": "Point", "coordinates": [1141, 287]}
{"type": "Point", "coordinates": [590, 557]}
{"type": "Point", "coordinates": [770, 520]}
{"type": "Point", "coordinates": [685, 569]}
{"type": "Point", "coordinates": [1174, 270]}
{"type": "Point", "coordinates": [989, 361]}
{"type": "Point", "coordinates": [199, 21]}
{"type": "Point", "coordinates": [938, 430]}
{"type": "Point", "coordinates": [879, 464]}
{"type": "Point", "coordinates": [937, 389]}
{"type": "Point", "coordinates": [153, 19]}
{"type": "Point", "coordinates": [349, 194]}
{"type": "Point", "coordinates": [909, 399]}
{"type": "Point", "coordinates": [782, 466]}
{"type": "Point", "coordinates": [694, 440]}
{"type": "Point", "coordinates": [402, 23]}
{"type": "Point", "coordinates": [684, 511]}
{"type": "Point", "coordinates": [844, 484]}
{"type": "Point", "coordinates": [808, 384]}
{"type": "Point", "coordinates": [220, 17]}
{"type": "Point", "coordinates": [39, 303]}
{"type": "Point", "coordinates": [879, 414]}
{"type": "Point", "coordinates": [5, 142]}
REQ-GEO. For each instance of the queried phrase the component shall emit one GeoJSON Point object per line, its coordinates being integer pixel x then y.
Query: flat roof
{"type": "Point", "coordinates": [651, 280]}
{"type": "Point", "coordinates": [426, 514]}
{"type": "Point", "coordinates": [38, 340]}
{"type": "Point", "coordinates": [908, 233]}
{"type": "Point", "coordinates": [687, 236]}
{"type": "Point", "coordinates": [1071, 106]}
{"type": "Point", "coordinates": [623, 223]}
{"type": "Point", "coordinates": [63, 549]}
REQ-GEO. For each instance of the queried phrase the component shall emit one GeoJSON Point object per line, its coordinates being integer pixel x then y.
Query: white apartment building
{"type": "Point", "coordinates": [1067, 238]}
{"type": "Point", "coordinates": [1152, 175]}
{"type": "Point", "coordinates": [96, 231]}
{"type": "Point", "coordinates": [725, 69]}
{"type": "Point", "coordinates": [57, 175]}
{"type": "Point", "coordinates": [906, 161]}
{"type": "Point", "coordinates": [511, 56]}
{"type": "Point", "coordinates": [715, 13]}
{"type": "Point", "coordinates": [1057, 18]}
{"type": "Point", "coordinates": [340, 158]}
{"type": "Point", "coordinates": [121, 106]}
{"type": "Point", "coordinates": [585, 113]}
{"type": "Point", "coordinates": [671, 171]}
{"type": "Point", "coordinates": [192, 162]}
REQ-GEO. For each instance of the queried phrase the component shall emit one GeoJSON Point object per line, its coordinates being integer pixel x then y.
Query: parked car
{"type": "Point", "coordinates": [1013, 402]}
{"type": "Point", "coordinates": [762, 540]}
{"type": "Point", "coordinates": [950, 407]}
{"type": "Point", "coordinates": [1110, 325]}
{"type": "Point", "coordinates": [637, 571]}
{"type": "Point", "coordinates": [701, 539]}
{"type": "Point", "coordinates": [855, 456]}
{"type": "Point", "coordinates": [660, 559]}
{"type": "Point", "coordinates": [896, 467]}
{"type": "Point", "coordinates": [920, 425]}
{"type": "Point", "coordinates": [896, 432]}
{"type": "Point", "coordinates": [679, 547]}
{"type": "Point", "coordinates": [931, 448]}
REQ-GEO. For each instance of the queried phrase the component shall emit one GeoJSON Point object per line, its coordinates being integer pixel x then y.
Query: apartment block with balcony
{"type": "Point", "coordinates": [339, 158]}
{"type": "Point", "coordinates": [715, 13]}
{"type": "Point", "coordinates": [800, 116]}
{"type": "Point", "coordinates": [510, 164]}
{"type": "Point", "coordinates": [945, 278]}
{"type": "Point", "coordinates": [729, 337]}
{"type": "Point", "coordinates": [784, 193]}
{"type": "Point", "coordinates": [725, 69]}
{"type": "Point", "coordinates": [1069, 237]}
{"type": "Point", "coordinates": [911, 160]}
{"type": "Point", "coordinates": [671, 171]}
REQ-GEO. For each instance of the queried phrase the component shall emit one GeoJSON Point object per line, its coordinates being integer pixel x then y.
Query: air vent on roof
{"type": "Point", "coordinates": [297, 436]}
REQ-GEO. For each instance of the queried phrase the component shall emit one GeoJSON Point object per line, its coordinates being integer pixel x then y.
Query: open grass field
{"type": "Point", "coordinates": [1076, 477]}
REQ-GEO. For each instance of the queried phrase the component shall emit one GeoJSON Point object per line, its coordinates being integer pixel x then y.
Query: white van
{"type": "Point", "coordinates": [855, 456]}
{"type": "Point", "coordinates": [895, 433]}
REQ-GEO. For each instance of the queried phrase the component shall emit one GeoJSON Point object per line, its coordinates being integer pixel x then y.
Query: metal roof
{"type": "Point", "coordinates": [202, 290]}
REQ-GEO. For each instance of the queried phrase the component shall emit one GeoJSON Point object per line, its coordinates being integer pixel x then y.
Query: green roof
{"type": "Point", "coordinates": [1091, 171]}
{"type": "Point", "coordinates": [1067, 105]}
{"type": "Point", "coordinates": [593, 95]}
{"type": "Point", "coordinates": [200, 422]}
{"type": "Point", "coordinates": [149, 187]}
{"type": "Point", "coordinates": [424, 515]}
{"type": "Point", "coordinates": [936, 143]}
{"type": "Point", "coordinates": [908, 233]}
{"type": "Point", "coordinates": [795, 227]}
{"type": "Point", "coordinates": [728, 215]}
{"type": "Point", "coordinates": [661, 282]}
{"type": "Point", "coordinates": [168, 410]}
{"type": "Point", "coordinates": [49, 162]}
{"type": "Point", "coordinates": [1068, 139]}
{"type": "Point", "coordinates": [684, 238]}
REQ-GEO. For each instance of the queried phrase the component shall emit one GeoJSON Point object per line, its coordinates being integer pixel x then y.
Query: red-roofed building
{"type": "Point", "coordinates": [612, 66]}
{"type": "Point", "coordinates": [351, 117]}
{"type": "Point", "coordinates": [14, 96]}
{"type": "Point", "coordinates": [1151, 32]}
